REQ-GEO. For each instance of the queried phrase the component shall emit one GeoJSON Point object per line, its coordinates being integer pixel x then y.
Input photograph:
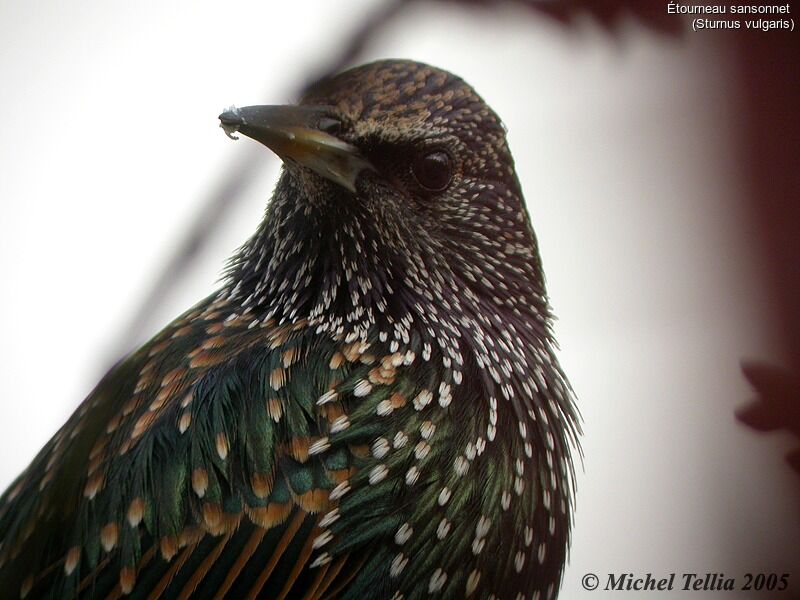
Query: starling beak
{"type": "Point", "coordinates": [294, 133]}
{"type": "Point", "coordinates": [369, 407]}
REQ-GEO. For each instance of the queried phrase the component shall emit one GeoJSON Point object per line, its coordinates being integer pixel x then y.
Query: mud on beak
{"type": "Point", "coordinates": [293, 133]}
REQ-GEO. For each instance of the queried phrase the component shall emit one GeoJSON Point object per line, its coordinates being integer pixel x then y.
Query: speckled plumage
{"type": "Point", "coordinates": [370, 406]}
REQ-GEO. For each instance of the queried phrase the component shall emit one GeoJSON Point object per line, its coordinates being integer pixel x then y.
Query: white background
{"type": "Point", "coordinates": [623, 144]}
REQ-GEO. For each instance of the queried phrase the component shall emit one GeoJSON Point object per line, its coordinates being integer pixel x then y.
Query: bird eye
{"type": "Point", "coordinates": [329, 125]}
{"type": "Point", "coordinates": [433, 170]}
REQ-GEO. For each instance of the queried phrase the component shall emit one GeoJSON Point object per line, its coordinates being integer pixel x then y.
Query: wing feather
{"type": "Point", "coordinates": [190, 471]}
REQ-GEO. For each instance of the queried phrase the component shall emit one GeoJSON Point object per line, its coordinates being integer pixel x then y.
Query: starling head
{"type": "Point", "coordinates": [397, 177]}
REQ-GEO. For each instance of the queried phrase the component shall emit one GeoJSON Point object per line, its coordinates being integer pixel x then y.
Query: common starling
{"type": "Point", "coordinates": [369, 407]}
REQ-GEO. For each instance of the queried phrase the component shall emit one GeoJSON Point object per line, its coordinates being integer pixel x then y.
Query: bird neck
{"type": "Point", "coordinates": [320, 259]}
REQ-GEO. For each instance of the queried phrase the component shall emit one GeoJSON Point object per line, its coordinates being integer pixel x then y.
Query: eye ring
{"type": "Point", "coordinates": [433, 169]}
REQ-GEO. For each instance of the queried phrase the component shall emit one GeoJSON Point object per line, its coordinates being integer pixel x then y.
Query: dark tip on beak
{"type": "Point", "coordinates": [230, 121]}
{"type": "Point", "coordinates": [231, 117]}
{"type": "Point", "coordinates": [302, 134]}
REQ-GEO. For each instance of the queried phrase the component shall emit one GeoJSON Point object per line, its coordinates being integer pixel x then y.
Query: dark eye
{"type": "Point", "coordinates": [433, 170]}
{"type": "Point", "coordinates": [329, 125]}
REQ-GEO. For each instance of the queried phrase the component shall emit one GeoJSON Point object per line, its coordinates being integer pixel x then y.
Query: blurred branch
{"type": "Point", "coordinates": [212, 211]}
{"type": "Point", "coordinates": [776, 406]}
{"type": "Point", "coordinates": [369, 29]}
{"type": "Point", "coordinates": [769, 77]}
{"type": "Point", "coordinates": [608, 13]}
